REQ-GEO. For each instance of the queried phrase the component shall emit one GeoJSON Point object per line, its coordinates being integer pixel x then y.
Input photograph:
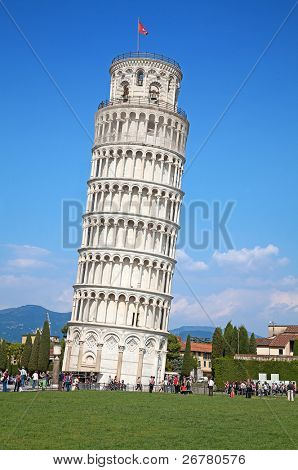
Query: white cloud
{"type": "Point", "coordinates": [289, 281]}
{"type": "Point", "coordinates": [66, 296]}
{"type": "Point", "coordinates": [8, 280]}
{"type": "Point", "coordinates": [188, 263]}
{"type": "Point", "coordinates": [284, 300]}
{"type": "Point", "coordinates": [28, 250]}
{"type": "Point", "coordinates": [26, 257]}
{"type": "Point", "coordinates": [186, 312]}
{"type": "Point", "coordinates": [249, 259]}
{"type": "Point", "coordinates": [27, 263]}
{"type": "Point", "coordinates": [37, 290]}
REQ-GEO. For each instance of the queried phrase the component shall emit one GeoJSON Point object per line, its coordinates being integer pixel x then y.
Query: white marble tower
{"type": "Point", "coordinates": [122, 294]}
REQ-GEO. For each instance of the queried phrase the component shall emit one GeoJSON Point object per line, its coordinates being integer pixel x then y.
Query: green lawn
{"type": "Point", "coordinates": [118, 420]}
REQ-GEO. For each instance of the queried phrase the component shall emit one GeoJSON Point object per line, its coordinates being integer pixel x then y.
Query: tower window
{"type": "Point", "coordinates": [140, 78]}
{"type": "Point", "coordinates": [125, 91]}
{"type": "Point", "coordinates": [154, 92]}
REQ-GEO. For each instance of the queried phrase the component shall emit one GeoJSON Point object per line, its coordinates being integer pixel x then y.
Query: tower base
{"type": "Point", "coordinates": [112, 352]}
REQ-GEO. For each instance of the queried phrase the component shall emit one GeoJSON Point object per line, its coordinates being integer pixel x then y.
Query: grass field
{"type": "Point", "coordinates": [118, 420]}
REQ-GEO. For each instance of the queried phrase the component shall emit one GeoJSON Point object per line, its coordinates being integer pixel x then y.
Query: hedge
{"type": "Point", "coordinates": [232, 370]}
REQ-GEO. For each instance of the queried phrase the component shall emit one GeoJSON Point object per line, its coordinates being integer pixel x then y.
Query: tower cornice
{"type": "Point", "coordinates": [141, 147]}
{"type": "Point", "coordinates": [136, 182]}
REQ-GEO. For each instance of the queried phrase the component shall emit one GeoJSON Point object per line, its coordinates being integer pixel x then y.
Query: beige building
{"type": "Point", "coordinates": [280, 341]}
{"type": "Point", "coordinates": [53, 339]}
{"type": "Point", "coordinates": [202, 352]}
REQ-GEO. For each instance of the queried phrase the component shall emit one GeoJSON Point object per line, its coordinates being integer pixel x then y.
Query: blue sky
{"type": "Point", "coordinates": [251, 158]}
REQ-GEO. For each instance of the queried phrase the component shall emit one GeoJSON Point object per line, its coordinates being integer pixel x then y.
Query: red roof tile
{"type": "Point", "coordinates": [198, 347]}
{"type": "Point", "coordinates": [282, 340]}
{"type": "Point", "coordinates": [279, 341]}
{"type": "Point", "coordinates": [263, 341]}
{"type": "Point", "coordinates": [292, 329]}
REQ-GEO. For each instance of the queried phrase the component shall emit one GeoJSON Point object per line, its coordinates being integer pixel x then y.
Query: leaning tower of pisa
{"type": "Point", "coordinates": [122, 294]}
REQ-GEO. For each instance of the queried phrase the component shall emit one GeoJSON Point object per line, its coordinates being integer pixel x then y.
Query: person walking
{"type": "Point", "coordinates": [151, 384]}
{"type": "Point", "coordinates": [176, 384]}
{"type": "Point", "coordinates": [68, 382]}
{"type": "Point", "coordinates": [210, 387]}
{"type": "Point", "coordinates": [34, 380]}
{"type": "Point", "coordinates": [139, 384]}
{"type": "Point", "coordinates": [4, 380]}
{"type": "Point", "coordinates": [17, 382]}
{"type": "Point", "coordinates": [23, 374]}
{"type": "Point", "coordinates": [248, 392]}
{"type": "Point", "coordinates": [60, 381]}
{"type": "Point", "coordinates": [290, 391]}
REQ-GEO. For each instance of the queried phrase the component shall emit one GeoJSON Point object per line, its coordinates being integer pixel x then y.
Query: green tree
{"type": "Point", "coordinates": [295, 350]}
{"type": "Point", "coordinates": [14, 354]}
{"type": "Point", "coordinates": [195, 363]}
{"type": "Point", "coordinates": [234, 341]}
{"type": "Point", "coordinates": [217, 344]}
{"type": "Point", "coordinates": [228, 336]}
{"type": "Point", "coordinates": [177, 364]}
{"type": "Point", "coordinates": [243, 340]}
{"type": "Point", "coordinates": [3, 355]}
{"type": "Point", "coordinates": [33, 361]}
{"type": "Point", "coordinates": [253, 344]}
{"type": "Point", "coordinates": [64, 330]}
{"type": "Point", "coordinates": [27, 352]}
{"type": "Point", "coordinates": [187, 364]}
{"type": "Point", "coordinates": [44, 348]}
{"type": "Point", "coordinates": [174, 347]}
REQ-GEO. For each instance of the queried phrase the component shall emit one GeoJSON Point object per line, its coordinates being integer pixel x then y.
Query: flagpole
{"type": "Point", "coordinates": [138, 42]}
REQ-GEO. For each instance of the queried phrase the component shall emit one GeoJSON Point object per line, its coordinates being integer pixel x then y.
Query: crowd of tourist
{"type": "Point", "coordinates": [23, 379]}
{"type": "Point", "coordinates": [170, 384]}
{"type": "Point", "coordinates": [260, 389]}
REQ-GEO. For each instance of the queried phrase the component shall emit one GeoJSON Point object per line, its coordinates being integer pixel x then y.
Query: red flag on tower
{"type": "Point", "coordinates": [142, 29]}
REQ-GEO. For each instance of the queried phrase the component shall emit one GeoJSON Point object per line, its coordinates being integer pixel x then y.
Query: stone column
{"type": "Point", "coordinates": [98, 357]}
{"type": "Point", "coordinates": [158, 368]}
{"type": "Point", "coordinates": [120, 359]}
{"type": "Point", "coordinates": [140, 363]}
{"type": "Point", "coordinates": [68, 354]}
{"type": "Point", "coordinates": [81, 343]}
{"type": "Point", "coordinates": [56, 367]}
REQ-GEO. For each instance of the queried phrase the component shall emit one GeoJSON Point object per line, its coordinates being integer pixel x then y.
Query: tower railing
{"type": "Point", "coordinates": [146, 55]}
{"type": "Point", "coordinates": [143, 101]}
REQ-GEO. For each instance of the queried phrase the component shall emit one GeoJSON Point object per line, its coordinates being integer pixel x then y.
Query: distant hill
{"type": "Point", "coordinates": [14, 322]}
{"type": "Point", "coordinates": [204, 332]}
{"type": "Point", "coordinates": [197, 331]}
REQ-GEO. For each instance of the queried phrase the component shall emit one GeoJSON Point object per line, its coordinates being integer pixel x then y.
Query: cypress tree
{"type": "Point", "coordinates": [243, 340]}
{"type": "Point", "coordinates": [228, 335]}
{"type": "Point", "coordinates": [44, 348]}
{"type": "Point", "coordinates": [253, 344]}
{"type": "Point", "coordinates": [27, 352]}
{"type": "Point", "coordinates": [173, 353]}
{"type": "Point", "coordinates": [187, 364]}
{"type": "Point", "coordinates": [3, 355]}
{"type": "Point", "coordinates": [217, 344]}
{"type": "Point", "coordinates": [33, 362]}
{"type": "Point", "coordinates": [234, 341]}
{"type": "Point", "coordinates": [295, 350]}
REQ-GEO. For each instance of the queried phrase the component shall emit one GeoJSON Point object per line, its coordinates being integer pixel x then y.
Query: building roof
{"type": "Point", "coordinates": [198, 347]}
{"type": "Point", "coordinates": [292, 329]}
{"type": "Point", "coordinates": [282, 340]}
{"type": "Point", "coordinates": [279, 341]}
{"type": "Point", "coordinates": [263, 341]}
